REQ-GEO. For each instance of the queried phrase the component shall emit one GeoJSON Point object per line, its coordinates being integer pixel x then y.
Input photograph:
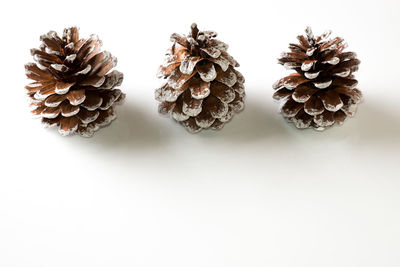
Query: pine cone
{"type": "Point", "coordinates": [203, 90]}
{"type": "Point", "coordinates": [322, 91]}
{"type": "Point", "coordinates": [73, 87]}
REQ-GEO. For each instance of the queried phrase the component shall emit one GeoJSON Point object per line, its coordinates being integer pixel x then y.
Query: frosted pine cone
{"type": "Point", "coordinates": [322, 91]}
{"type": "Point", "coordinates": [74, 87]}
{"type": "Point", "coordinates": [202, 90]}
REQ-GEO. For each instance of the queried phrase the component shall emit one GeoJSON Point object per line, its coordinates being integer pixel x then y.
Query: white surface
{"type": "Point", "coordinates": [144, 192]}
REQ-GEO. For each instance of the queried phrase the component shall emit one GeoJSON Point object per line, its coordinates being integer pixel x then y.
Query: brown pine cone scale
{"type": "Point", "coordinates": [203, 89]}
{"type": "Point", "coordinates": [74, 87]}
{"type": "Point", "coordinates": [322, 91]}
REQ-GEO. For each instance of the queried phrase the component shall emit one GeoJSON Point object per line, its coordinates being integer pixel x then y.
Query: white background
{"type": "Point", "coordinates": [144, 192]}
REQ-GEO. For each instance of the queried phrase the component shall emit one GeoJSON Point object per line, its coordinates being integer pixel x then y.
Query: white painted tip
{"type": "Point", "coordinates": [85, 70]}
{"type": "Point", "coordinates": [276, 85]}
{"type": "Point", "coordinates": [92, 118]}
{"type": "Point", "coordinates": [70, 114]}
{"type": "Point", "coordinates": [95, 106]}
{"type": "Point", "coordinates": [50, 115]}
{"type": "Point", "coordinates": [289, 86]}
{"type": "Point", "coordinates": [343, 74]}
{"type": "Point", "coordinates": [310, 51]}
{"type": "Point", "coordinates": [307, 66]}
{"type": "Point", "coordinates": [62, 91]}
{"type": "Point", "coordinates": [290, 65]}
{"type": "Point", "coordinates": [40, 66]}
{"type": "Point", "coordinates": [29, 65]}
{"type": "Point", "coordinates": [323, 85]}
{"type": "Point", "coordinates": [310, 75]}
{"type": "Point", "coordinates": [78, 101]}
{"type": "Point", "coordinates": [114, 61]}
{"type": "Point", "coordinates": [69, 46]}
{"type": "Point", "coordinates": [59, 67]}
{"type": "Point", "coordinates": [354, 85]}
{"type": "Point", "coordinates": [70, 58]}
{"type": "Point", "coordinates": [333, 61]}
{"type": "Point", "coordinates": [100, 82]}
{"type": "Point", "coordinates": [68, 132]}
{"type": "Point", "coordinates": [39, 96]}
{"type": "Point", "coordinates": [52, 104]}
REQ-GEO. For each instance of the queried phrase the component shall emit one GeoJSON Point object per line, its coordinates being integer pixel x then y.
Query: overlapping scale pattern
{"type": "Point", "coordinates": [202, 88]}
{"type": "Point", "coordinates": [322, 90]}
{"type": "Point", "coordinates": [74, 86]}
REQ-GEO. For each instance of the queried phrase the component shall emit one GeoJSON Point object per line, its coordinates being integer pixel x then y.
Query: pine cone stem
{"type": "Point", "coordinates": [194, 31]}
{"type": "Point", "coordinates": [310, 35]}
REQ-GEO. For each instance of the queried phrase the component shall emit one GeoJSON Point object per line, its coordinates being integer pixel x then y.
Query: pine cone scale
{"type": "Point", "coordinates": [87, 116]}
{"type": "Point", "coordinates": [223, 92]}
{"type": "Point", "coordinates": [314, 106]}
{"type": "Point", "coordinates": [188, 64]}
{"type": "Point", "coordinates": [324, 119]}
{"type": "Point", "coordinates": [302, 96]}
{"type": "Point", "coordinates": [68, 110]}
{"type": "Point", "coordinates": [76, 97]}
{"type": "Point", "coordinates": [199, 89]}
{"type": "Point", "coordinates": [68, 125]}
{"type": "Point", "coordinates": [50, 112]}
{"type": "Point", "coordinates": [206, 71]}
{"type": "Point", "coordinates": [281, 94]}
{"type": "Point", "coordinates": [331, 101]}
{"type": "Point", "coordinates": [54, 100]}
{"type": "Point", "coordinates": [92, 101]}
{"type": "Point", "coordinates": [302, 120]}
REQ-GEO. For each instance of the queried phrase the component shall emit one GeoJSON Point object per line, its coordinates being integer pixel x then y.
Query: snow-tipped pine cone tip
{"type": "Point", "coordinates": [203, 90]}
{"type": "Point", "coordinates": [74, 86]}
{"type": "Point", "coordinates": [322, 91]}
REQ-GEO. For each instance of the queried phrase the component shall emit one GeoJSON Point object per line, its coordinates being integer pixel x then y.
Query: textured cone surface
{"type": "Point", "coordinates": [202, 88]}
{"type": "Point", "coordinates": [322, 91]}
{"type": "Point", "coordinates": [74, 86]}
